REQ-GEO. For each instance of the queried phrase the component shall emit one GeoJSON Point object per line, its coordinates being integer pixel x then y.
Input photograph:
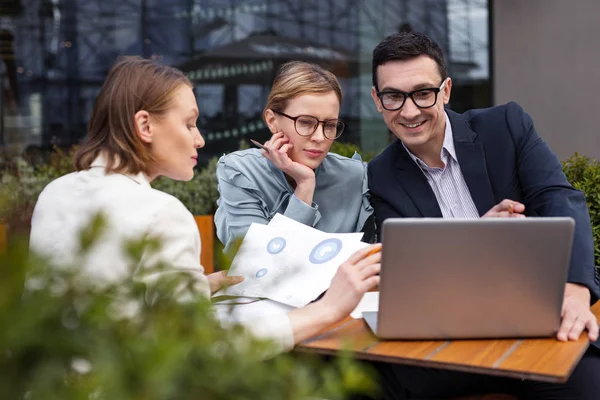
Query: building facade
{"type": "Point", "coordinates": [545, 56]}
{"type": "Point", "coordinates": [56, 54]}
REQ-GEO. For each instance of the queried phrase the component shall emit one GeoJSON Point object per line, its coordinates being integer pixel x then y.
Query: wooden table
{"type": "Point", "coordinates": [538, 359]}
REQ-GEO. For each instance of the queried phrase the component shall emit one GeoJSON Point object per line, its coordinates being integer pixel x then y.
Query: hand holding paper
{"type": "Point", "coordinates": [289, 262]}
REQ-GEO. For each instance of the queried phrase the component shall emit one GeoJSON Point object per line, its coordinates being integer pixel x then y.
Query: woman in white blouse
{"type": "Point", "coordinates": [143, 125]}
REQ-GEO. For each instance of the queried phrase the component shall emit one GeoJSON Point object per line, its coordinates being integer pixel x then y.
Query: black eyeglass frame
{"type": "Point", "coordinates": [406, 95]}
{"type": "Point", "coordinates": [316, 127]}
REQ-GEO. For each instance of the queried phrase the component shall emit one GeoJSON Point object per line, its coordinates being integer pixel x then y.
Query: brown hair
{"type": "Point", "coordinates": [297, 78]}
{"type": "Point", "coordinates": [133, 84]}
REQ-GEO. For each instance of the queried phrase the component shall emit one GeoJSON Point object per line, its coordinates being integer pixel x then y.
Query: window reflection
{"type": "Point", "coordinates": [56, 53]}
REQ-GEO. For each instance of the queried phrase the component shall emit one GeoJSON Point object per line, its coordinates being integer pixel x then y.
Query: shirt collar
{"type": "Point", "coordinates": [141, 179]}
{"type": "Point", "coordinates": [447, 145]}
{"type": "Point", "coordinates": [449, 139]}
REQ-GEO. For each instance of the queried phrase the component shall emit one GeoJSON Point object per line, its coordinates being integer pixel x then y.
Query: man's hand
{"type": "Point", "coordinates": [506, 208]}
{"type": "Point", "coordinates": [218, 280]}
{"type": "Point", "coordinates": [576, 314]}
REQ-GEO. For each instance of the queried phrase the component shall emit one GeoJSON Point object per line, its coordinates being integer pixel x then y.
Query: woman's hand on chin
{"type": "Point", "coordinates": [277, 152]}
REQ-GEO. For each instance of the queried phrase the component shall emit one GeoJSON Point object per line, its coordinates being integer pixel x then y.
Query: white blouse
{"type": "Point", "coordinates": [132, 209]}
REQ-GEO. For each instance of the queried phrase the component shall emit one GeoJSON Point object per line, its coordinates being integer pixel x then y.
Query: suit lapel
{"type": "Point", "coordinates": [471, 158]}
{"type": "Point", "coordinates": [415, 184]}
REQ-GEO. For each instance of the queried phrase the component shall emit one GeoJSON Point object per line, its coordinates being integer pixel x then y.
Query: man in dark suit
{"type": "Point", "coordinates": [483, 163]}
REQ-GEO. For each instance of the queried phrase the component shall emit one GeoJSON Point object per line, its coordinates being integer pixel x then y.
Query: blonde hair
{"type": "Point", "coordinates": [133, 84]}
{"type": "Point", "coordinates": [298, 78]}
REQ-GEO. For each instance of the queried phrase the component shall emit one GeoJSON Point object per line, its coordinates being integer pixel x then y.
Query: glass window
{"type": "Point", "coordinates": [56, 53]}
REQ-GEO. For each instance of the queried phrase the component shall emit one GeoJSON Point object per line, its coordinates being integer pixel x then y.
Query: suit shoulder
{"type": "Point", "coordinates": [500, 111]}
{"type": "Point", "coordinates": [388, 155]}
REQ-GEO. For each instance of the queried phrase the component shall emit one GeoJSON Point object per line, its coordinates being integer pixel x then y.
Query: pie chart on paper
{"type": "Point", "coordinates": [325, 251]}
{"type": "Point", "coordinates": [276, 245]}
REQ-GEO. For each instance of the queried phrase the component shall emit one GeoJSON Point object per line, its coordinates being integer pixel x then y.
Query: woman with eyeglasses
{"type": "Point", "coordinates": [143, 125]}
{"type": "Point", "coordinates": [294, 174]}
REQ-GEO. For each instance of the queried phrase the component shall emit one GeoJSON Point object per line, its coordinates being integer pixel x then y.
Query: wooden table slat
{"type": "Point", "coordinates": [546, 357]}
{"type": "Point", "coordinates": [541, 359]}
{"type": "Point", "coordinates": [406, 349]}
{"type": "Point", "coordinates": [481, 353]}
{"type": "Point", "coordinates": [350, 335]}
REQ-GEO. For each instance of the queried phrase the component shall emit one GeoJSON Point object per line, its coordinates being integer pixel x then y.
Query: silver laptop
{"type": "Point", "coordinates": [479, 278]}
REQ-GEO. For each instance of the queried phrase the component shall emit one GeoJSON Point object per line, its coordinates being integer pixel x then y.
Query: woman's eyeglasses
{"type": "Point", "coordinates": [306, 125]}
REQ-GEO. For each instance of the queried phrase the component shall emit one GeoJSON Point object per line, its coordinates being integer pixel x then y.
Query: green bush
{"type": "Point", "coordinates": [19, 190]}
{"type": "Point", "coordinates": [63, 337]}
{"type": "Point", "coordinates": [584, 174]}
{"type": "Point", "coordinates": [22, 183]}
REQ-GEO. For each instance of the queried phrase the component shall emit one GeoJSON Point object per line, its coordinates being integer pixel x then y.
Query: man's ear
{"type": "Point", "coordinates": [447, 90]}
{"type": "Point", "coordinates": [142, 126]}
{"type": "Point", "coordinates": [271, 120]}
{"type": "Point", "coordinates": [376, 99]}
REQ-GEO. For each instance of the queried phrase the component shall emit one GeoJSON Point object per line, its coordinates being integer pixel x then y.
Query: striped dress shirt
{"type": "Point", "coordinates": [448, 183]}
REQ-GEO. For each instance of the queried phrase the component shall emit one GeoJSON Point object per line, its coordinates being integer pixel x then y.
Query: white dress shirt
{"type": "Point", "coordinates": [132, 209]}
{"type": "Point", "coordinates": [448, 183]}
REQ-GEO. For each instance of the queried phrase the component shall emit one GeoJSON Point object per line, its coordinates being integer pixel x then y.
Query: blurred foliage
{"type": "Point", "coordinates": [348, 150]}
{"type": "Point", "coordinates": [584, 174]}
{"type": "Point", "coordinates": [21, 183]}
{"type": "Point", "coordinates": [68, 337]}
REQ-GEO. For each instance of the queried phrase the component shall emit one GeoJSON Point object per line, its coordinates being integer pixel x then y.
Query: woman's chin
{"type": "Point", "coordinates": [183, 176]}
{"type": "Point", "coordinates": [311, 163]}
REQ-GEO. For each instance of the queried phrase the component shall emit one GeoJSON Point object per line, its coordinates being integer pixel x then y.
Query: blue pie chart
{"type": "Point", "coordinates": [276, 245]}
{"type": "Point", "coordinates": [261, 272]}
{"type": "Point", "coordinates": [325, 251]}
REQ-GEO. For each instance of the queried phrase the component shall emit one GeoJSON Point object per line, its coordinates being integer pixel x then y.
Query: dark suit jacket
{"type": "Point", "coordinates": [501, 157]}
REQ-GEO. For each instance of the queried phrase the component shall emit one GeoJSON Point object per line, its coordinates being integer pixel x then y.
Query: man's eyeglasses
{"type": "Point", "coordinates": [306, 125]}
{"type": "Point", "coordinates": [393, 100]}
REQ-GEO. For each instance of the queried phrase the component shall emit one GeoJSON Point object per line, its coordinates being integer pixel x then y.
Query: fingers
{"type": "Point", "coordinates": [370, 283]}
{"type": "Point", "coordinates": [573, 325]}
{"type": "Point", "coordinates": [507, 208]}
{"type": "Point", "coordinates": [369, 271]}
{"type": "Point", "coordinates": [232, 280]}
{"type": "Point", "coordinates": [566, 325]}
{"type": "Point", "coordinates": [510, 206]}
{"type": "Point", "coordinates": [506, 214]}
{"type": "Point", "coordinates": [374, 249]}
{"type": "Point", "coordinates": [576, 324]}
{"type": "Point", "coordinates": [277, 150]}
{"type": "Point", "coordinates": [592, 327]}
{"type": "Point", "coordinates": [277, 141]}
{"type": "Point", "coordinates": [286, 148]}
{"type": "Point", "coordinates": [221, 278]}
{"type": "Point", "coordinates": [577, 328]}
{"type": "Point", "coordinates": [217, 275]}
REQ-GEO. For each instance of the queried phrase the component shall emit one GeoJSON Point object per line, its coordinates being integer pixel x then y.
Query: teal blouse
{"type": "Point", "coordinates": [252, 189]}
